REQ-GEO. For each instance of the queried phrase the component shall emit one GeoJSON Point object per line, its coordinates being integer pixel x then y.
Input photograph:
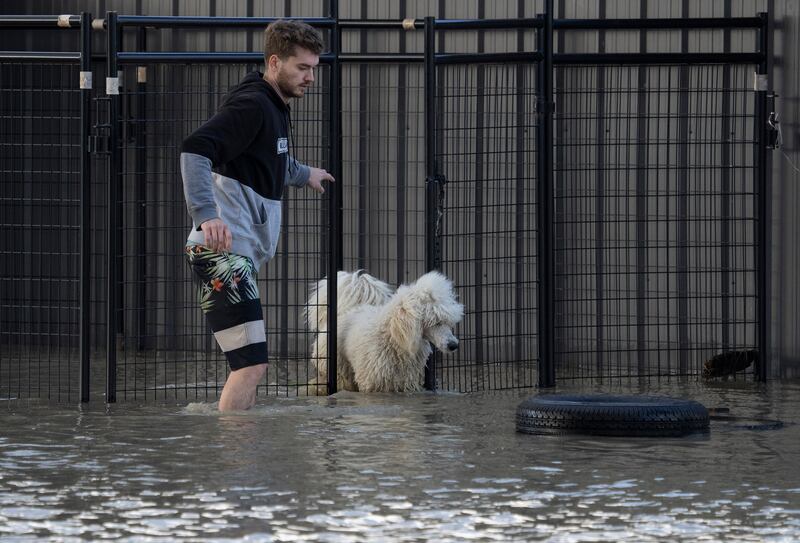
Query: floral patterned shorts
{"type": "Point", "coordinates": [230, 300]}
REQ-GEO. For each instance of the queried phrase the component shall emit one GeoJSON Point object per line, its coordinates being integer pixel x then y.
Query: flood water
{"type": "Point", "coordinates": [356, 467]}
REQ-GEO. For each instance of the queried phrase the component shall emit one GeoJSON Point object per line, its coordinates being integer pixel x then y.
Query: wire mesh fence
{"type": "Point", "coordinates": [383, 170]}
{"type": "Point", "coordinates": [164, 347]}
{"type": "Point", "coordinates": [40, 193]}
{"type": "Point", "coordinates": [655, 218]}
{"type": "Point", "coordinates": [486, 146]}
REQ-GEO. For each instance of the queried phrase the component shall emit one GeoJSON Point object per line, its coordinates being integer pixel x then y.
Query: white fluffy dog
{"type": "Point", "coordinates": [353, 289]}
{"type": "Point", "coordinates": [384, 346]}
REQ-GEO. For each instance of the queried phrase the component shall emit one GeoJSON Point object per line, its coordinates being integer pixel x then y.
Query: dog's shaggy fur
{"type": "Point", "coordinates": [384, 346]}
{"type": "Point", "coordinates": [353, 289]}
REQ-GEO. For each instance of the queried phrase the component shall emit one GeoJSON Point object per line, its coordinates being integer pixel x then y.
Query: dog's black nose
{"type": "Point", "coordinates": [452, 345]}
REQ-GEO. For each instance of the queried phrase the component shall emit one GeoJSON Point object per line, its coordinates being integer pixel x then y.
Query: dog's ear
{"type": "Point", "coordinates": [433, 288]}
{"type": "Point", "coordinates": [404, 325]}
{"type": "Point", "coordinates": [423, 294]}
{"type": "Point", "coordinates": [428, 297]}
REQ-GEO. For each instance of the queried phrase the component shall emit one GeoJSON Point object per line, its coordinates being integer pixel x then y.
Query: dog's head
{"type": "Point", "coordinates": [352, 289]}
{"type": "Point", "coordinates": [439, 309]}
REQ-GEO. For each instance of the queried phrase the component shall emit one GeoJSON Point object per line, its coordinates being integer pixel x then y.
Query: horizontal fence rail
{"type": "Point", "coordinates": [482, 207]}
{"type": "Point", "coordinates": [601, 213]}
{"type": "Point", "coordinates": [608, 59]}
{"type": "Point", "coordinates": [673, 23]}
{"type": "Point", "coordinates": [31, 22]}
{"type": "Point", "coordinates": [52, 57]}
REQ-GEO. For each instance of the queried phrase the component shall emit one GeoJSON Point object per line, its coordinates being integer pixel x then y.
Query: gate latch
{"type": "Point", "coordinates": [774, 135]}
{"type": "Point", "coordinates": [100, 135]}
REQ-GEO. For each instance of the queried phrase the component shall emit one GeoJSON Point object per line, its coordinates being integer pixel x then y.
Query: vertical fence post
{"type": "Point", "coordinates": [140, 188]}
{"type": "Point", "coordinates": [725, 247]}
{"type": "Point", "coordinates": [642, 193]}
{"type": "Point", "coordinates": [112, 90]}
{"type": "Point", "coordinates": [762, 220]}
{"type": "Point", "coordinates": [544, 147]}
{"type": "Point", "coordinates": [432, 188]}
{"type": "Point", "coordinates": [431, 171]}
{"type": "Point", "coordinates": [682, 267]}
{"type": "Point", "coordinates": [85, 205]}
{"type": "Point", "coordinates": [335, 260]}
{"type": "Point", "coordinates": [520, 240]}
{"type": "Point", "coordinates": [599, 184]}
{"type": "Point", "coordinates": [402, 152]}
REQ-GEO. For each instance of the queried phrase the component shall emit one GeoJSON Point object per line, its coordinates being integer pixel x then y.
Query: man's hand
{"type": "Point", "coordinates": [318, 175]}
{"type": "Point", "coordinates": [217, 235]}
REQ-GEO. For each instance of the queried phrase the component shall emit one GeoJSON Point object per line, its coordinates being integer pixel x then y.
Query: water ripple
{"type": "Point", "coordinates": [403, 468]}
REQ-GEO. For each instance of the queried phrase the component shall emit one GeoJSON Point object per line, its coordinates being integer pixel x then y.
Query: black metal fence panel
{"type": "Point", "coordinates": [40, 213]}
{"type": "Point", "coordinates": [384, 170]}
{"type": "Point", "coordinates": [164, 347]}
{"type": "Point", "coordinates": [655, 194]}
{"type": "Point", "coordinates": [657, 211]}
{"type": "Point", "coordinates": [486, 150]}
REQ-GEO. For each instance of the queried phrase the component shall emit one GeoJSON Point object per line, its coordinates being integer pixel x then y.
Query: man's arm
{"type": "Point", "coordinates": [301, 175]}
{"type": "Point", "coordinates": [220, 139]}
{"type": "Point", "coordinates": [197, 180]}
{"type": "Point", "coordinates": [297, 173]}
{"type": "Point", "coordinates": [228, 133]}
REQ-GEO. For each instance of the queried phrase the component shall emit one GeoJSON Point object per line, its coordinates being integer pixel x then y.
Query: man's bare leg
{"type": "Point", "coordinates": [239, 391]}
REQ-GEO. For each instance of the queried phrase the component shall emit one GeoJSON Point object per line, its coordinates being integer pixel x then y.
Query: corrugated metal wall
{"type": "Point", "coordinates": [374, 88]}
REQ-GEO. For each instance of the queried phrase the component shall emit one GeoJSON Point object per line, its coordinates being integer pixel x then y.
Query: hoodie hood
{"type": "Point", "coordinates": [254, 82]}
{"type": "Point", "coordinates": [249, 138]}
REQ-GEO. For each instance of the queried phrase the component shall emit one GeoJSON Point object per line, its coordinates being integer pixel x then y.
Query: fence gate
{"type": "Point", "coordinates": [160, 346]}
{"type": "Point", "coordinates": [602, 214]}
{"type": "Point", "coordinates": [44, 213]}
{"type": "Point", "coordinates": [612, 204]}
{"type": "Point", "coordinates": [482, 212]}
{"type": "Point", "coordinates": [659, 202]}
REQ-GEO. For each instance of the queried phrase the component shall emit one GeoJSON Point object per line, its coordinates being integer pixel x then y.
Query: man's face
{"type": "Point", "coordinates": [296, 73]}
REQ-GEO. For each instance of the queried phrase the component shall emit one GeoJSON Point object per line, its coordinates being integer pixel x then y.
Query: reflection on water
{"type": "Point", "coordinates": [391, 467]}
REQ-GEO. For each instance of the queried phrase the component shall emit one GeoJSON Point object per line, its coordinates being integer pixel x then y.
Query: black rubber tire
{"type": "Point", "coordinates": [645, 416]}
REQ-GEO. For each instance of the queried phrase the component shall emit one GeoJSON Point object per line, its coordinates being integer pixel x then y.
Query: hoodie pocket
{"type": "Point", "coordinates": [255, 221]}
{"type": "Point", "coordinates": [268, 228]}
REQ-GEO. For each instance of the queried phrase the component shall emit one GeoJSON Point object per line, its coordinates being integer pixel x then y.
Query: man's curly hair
{"type": "Point", "coordinates": [283, 36]}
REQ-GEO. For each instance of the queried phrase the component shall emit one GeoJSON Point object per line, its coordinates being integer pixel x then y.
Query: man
{"type": "Point", "coordinates": [234, 169]}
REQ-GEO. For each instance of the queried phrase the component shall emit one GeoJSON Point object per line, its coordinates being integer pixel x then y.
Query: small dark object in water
{"type": "Point", "coordinates": [729, 362]}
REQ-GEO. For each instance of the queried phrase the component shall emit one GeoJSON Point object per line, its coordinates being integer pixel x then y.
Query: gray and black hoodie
{"type": "Point", "coordinates": [235, 166]}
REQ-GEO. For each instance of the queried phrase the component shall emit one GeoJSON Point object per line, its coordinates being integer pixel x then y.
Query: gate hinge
{"type": "Point", "coordinates": [99, 145]}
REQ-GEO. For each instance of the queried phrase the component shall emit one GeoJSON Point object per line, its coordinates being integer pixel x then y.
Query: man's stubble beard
{"type": "Point", "coordinates": [287, 89]}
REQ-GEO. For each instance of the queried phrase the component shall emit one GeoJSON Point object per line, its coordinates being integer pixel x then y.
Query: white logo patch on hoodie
{"type": "Point", "coordinates": [283, 146]}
